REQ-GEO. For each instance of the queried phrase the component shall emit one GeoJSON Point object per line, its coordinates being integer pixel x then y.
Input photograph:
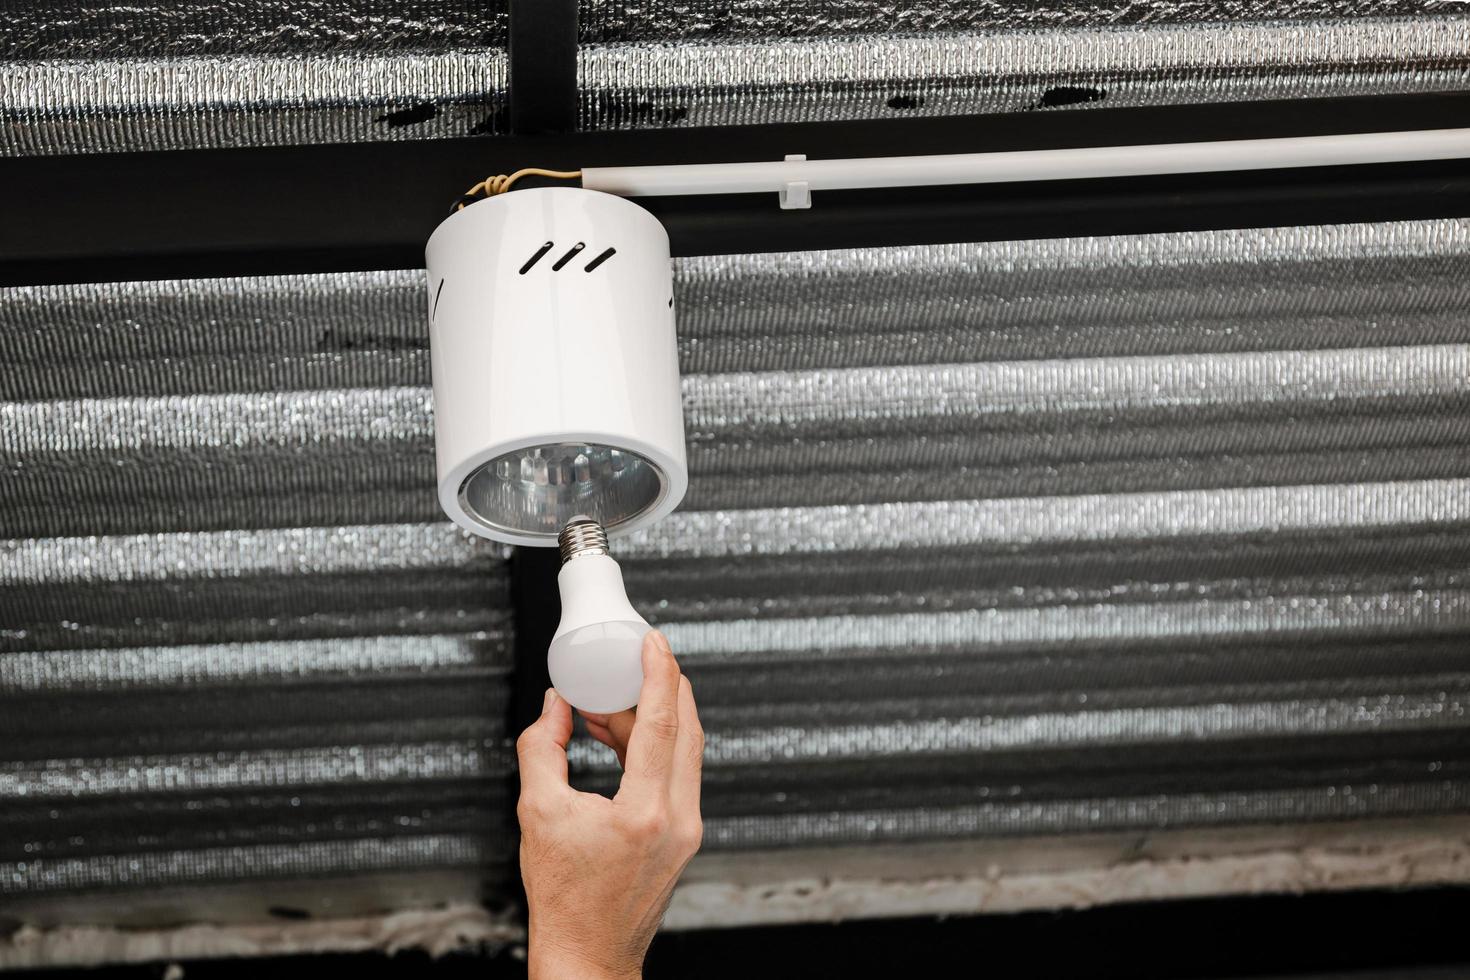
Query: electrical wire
{"type": "Point", "coordinates": [501, 183]}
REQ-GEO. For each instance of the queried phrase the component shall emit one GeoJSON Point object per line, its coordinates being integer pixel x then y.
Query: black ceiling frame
{"type": "Point", "coordinates": [344, 207]}
{"type": "Point", "coordinates": [543, 66]}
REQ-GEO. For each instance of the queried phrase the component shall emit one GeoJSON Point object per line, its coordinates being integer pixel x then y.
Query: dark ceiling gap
{"type": "Point", "coordinates": [543, 100]}
{"type": "Point", "coordinates": [543, 67]}
{"type": "Point", "coordinates": [285, 211]}
{"type": "Point", "coordinates": [535, 612]}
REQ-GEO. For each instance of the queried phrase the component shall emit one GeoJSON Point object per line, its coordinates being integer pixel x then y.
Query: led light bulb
{"type": "Point", "coordinates": [596, 656]}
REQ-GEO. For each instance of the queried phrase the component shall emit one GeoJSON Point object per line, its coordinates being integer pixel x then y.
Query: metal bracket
{"type": "Point", "coordinates": [797, 194]}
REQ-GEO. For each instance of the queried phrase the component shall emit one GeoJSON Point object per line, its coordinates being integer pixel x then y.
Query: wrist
{"type": "Point", "coordinates": [568, 968]}
{"type": "Point", "coordinates": [565, 964]}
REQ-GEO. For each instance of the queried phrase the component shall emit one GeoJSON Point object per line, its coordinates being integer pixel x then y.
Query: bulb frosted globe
{"type": "Point", "coordinates": [599, 668]}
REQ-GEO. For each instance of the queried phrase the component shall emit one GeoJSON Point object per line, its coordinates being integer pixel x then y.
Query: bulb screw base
{"type": "Point", "coordinates": [581, 536]}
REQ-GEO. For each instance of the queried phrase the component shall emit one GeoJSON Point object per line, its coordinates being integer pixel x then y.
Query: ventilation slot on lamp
{"type": "Point", "coordinates": [577, 248]}
{"type": "Point", "coordinates": [607, 254]}
{"type": "Point", "coordinates": [536, 258]}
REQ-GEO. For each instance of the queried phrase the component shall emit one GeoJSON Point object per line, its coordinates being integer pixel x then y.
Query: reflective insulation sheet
{"type": "Point", "coordinates": [196, 709]}
{"type": "Point", "coordinates": [982, 541]}
{"type": "Point", "coordinates": [90, 76]}
{"type": "Point", "coordinates": [240, 651]}
{"type": "Point", "coordinates": [97, 76]}
{"type": "Point", "coordinates": [1085, 535]}
{"type": "Point", "coordinates": [683, 21]}
{"type": "Point", "coordinates": [646, 66]}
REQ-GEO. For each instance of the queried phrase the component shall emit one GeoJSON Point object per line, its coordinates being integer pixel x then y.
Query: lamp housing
{"type": "Point", "coordinates": [555, 364]}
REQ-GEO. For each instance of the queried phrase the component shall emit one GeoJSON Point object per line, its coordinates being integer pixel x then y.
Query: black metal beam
{"type": "Point", "coordinates": [543, 66]}
{"type": "Point", "coordinates": [536, 608]}
{"type": "Point", "coordinates": [372, 206]}
{"type": "Point", "coordinates": [1384, 934]}
{"type": "Point", "coordinates": [536, 605]}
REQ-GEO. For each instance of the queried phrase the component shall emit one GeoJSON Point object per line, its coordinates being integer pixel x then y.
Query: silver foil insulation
{"type": "Point", "coordinates": [78, 76]}
{"type": "Point", "coordinates": [1009, 538]}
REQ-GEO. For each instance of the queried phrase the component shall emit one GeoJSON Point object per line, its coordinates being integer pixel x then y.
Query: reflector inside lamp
{"type": "Point", "coordinates": [540, 489]}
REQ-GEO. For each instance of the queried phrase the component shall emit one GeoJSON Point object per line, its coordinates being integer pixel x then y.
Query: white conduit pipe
{"type": "Point", "coordinates": [1019, 165]}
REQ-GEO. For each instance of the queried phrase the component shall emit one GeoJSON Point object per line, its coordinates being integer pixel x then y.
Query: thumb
{"type": "Point", "coordinates": [542, 747]}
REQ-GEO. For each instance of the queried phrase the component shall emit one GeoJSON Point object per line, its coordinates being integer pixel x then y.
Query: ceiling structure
{"type": "Point", "coordinates": [1125, 508]}
{"type": "Point", "coordinates": [93, 76]}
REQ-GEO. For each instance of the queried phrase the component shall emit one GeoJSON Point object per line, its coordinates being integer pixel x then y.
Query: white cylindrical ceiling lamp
{"type": "Point", "coordinates": [556, 371]}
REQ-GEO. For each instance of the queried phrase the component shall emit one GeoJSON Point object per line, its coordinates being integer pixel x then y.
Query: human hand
{"type": "Point", "coordinates": [599, 872]}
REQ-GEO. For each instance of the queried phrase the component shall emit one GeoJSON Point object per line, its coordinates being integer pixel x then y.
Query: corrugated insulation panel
{"type": "Point", "coordinates": [699, 64]}
{"type": "Point", "coordinates": [95, 76]}
{"type": "Point", "coordinates": [89, 76]}
{"type": "Point", "coordinates": [983, 541]}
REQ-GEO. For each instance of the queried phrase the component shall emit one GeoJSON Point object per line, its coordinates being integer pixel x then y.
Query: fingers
{"type": "Point", "coordinates": [620, 727]}
{"type": "Point", "coordinates": [542, 748]}
{"type": "Point", "coordinates": [688, 756]}
{"type": "Point", "coordinates": [665, 756]}
{"type": "Point", "coordinates": [612, 731]}
{"type": "Point", "coordinates": [652, 744]}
